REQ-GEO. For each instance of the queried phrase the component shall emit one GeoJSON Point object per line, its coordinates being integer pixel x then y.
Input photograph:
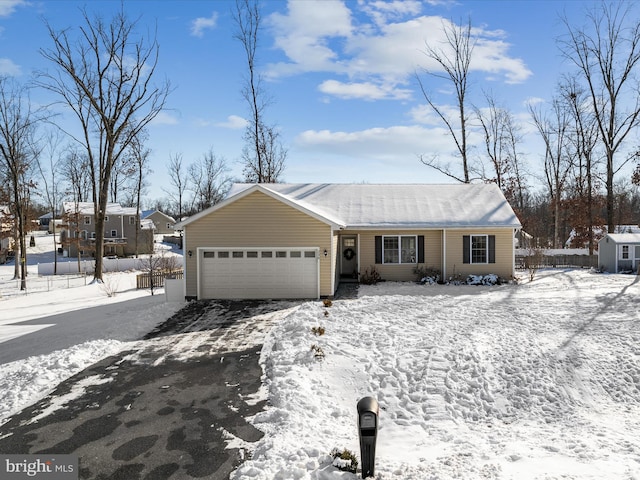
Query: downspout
{"type": "Point", "coordinates": [358, 258]}
{"type": "Point", "coordinates": [513, 253]}
{"type": "Point", "coordinates": [444, 254]}
{"type": "Point", "coordinates": [332, 270]}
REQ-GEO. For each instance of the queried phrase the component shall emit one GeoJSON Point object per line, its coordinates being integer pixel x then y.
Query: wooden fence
{"type": "Point", "coordinates": [143, 280]}
{"type": "Point", "coordinates": [523, 262]}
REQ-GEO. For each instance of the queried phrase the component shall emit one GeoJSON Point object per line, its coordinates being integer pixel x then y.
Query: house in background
{"type": "Point", "coordinates": [303, 240]}
{"type": "Point", "coordinates": [6, 232]}
{"type": "Point", "coordinates": [619, 252]}
{"type": "Point", "coordinates": [163, 223]}
{"type": "Point", "coordinates": [78, 234]}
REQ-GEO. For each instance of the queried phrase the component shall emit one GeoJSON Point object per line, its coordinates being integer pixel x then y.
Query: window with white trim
{"type": "Point", "coordinates": [399, 249]}
{"type": "Point", "coordinates": [479, 249]}
{"type": "Point", "coordinates": [132, 220]}
{"type": "Point", "coordinates": [87, 220]}
{"type": "Point", "coordinates": [624, 252]}
{"type": "Point", "coordinates": [114, 233]}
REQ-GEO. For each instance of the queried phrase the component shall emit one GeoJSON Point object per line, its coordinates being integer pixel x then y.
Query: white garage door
{"type": "Point", "coordinates": [237, 273]}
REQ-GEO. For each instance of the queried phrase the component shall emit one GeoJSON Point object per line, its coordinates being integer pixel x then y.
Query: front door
{"type": "Point", "coordinates": [349, 257]}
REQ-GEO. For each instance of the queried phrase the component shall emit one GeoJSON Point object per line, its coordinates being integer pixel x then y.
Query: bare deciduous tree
{"type": "Point", "coordinates": [49, 168]}
{"type": "Point", "coordinates": [454, 58]}
{"type": "Point", "coordinates": [18, 154]}
{"type": "Point", "coordinates": [179, 180]}
{"type": "Point", "coordinates": [137, 157]}
{"type": "Point", "coordinates": [554, 131]}
{"type": "Point", "coordinates": [273, 156]}
{"type": "Point", "coordinates": [584, 137]}
{"type": "Point", "coordinates": [105, 77]}
{"type": "Point", "coordinates": [606, 54]}
{"type": "Point", "coordinates": [264, 156]}
{"type": "Point", "coordinates": [502, 138]}
{"type": "Point", "coordinates": [209, 180]}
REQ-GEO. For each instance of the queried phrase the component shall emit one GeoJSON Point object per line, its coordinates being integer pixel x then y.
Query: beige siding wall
{"type": "Point", "coordinates": [400, 272]}
{"type": "Point", "coordinates": [433, 245]}
{"type": "Point", "coordinates": [504, 254]}
{"type": "Point", "coordinates": [258, 220]}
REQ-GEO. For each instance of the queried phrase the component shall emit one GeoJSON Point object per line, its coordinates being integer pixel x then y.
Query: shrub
{"type": "Point", "coordinates": [371, 276]}
{"type": "Point", "coordinates": [490, 279]}
{"type": "Point", "coordinates": [318, 352]}
{"type": "Point", "coordinates": [318, 331]}
{"type": "Point", "coordinates": [327, 303]}
{"type": "Point", "coordinates": [426, 274]}
{"type": "Point", "coordinates": [344, 460]}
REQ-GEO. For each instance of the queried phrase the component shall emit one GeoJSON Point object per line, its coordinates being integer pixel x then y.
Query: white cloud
{"type": "Point", "coordinates": [7, 7]}
{"type": "Point", "coordinates": [7, 67]}
{"type": "Point", "coordinates": [382, 11]}
{"type": "Point", "coordinates": [363, 90]}
{"type": "Point", "coordinates": [200, 24]}
{"type": "Point", "coordinates": [378, 143]}
{"type": "Point", "coordinates": [233, 122]}
{"type": "Point", "coordinates": [165, 118]}
{"type": "Point", "coordinates": [305, 34]}
{"type": "Point", "coordinates": [531, 101]}
{"type": "Point", "coordinates": [386, 44]}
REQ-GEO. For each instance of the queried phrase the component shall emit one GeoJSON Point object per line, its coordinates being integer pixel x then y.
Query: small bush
{"type": "Point", "coordinates": [327, 303]}
{"type": "Point", "coordinates": [318, 352]}
{"type": "Point", "coordinates": [318, 331]}
{"type": "Point", "coordinates": [490, 279]}
{"type": "Point", "coordinates": [345, 460]}
{"type": "Point", "coordinates": [371, 276]}
{"type": "Point", "coordinates": [427, 275]}
{"type": "Point", "coordinates": [109, 285]}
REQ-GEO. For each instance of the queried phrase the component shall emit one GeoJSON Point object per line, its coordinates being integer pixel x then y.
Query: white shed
{"type": "Point", "coordinates": [619, 252]}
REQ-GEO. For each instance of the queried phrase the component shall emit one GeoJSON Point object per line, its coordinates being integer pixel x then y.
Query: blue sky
{"type": "Point", "coordinates": [340, 74]}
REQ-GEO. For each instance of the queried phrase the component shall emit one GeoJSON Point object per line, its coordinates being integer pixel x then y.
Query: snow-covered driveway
{"type": "Point", "coordinates": [533, 381]}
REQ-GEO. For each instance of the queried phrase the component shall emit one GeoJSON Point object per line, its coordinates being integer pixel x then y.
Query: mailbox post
{"type": "Point", "coordinates": [368, 411]}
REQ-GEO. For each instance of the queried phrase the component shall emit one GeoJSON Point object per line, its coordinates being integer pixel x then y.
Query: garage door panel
{"type": "Point", "coordinates": [254, 273]}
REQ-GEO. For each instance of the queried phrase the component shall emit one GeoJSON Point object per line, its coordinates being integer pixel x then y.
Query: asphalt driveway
{"type": "Point", "coordinates": [174, 406]}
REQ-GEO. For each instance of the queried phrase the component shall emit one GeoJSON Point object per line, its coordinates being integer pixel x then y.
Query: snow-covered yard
{"type": "Point", "coordinates": [535, 381]}
{"type": "Point", "coordinates": [539, 380]}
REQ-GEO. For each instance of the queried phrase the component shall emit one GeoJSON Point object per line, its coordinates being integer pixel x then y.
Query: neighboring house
{"type": "Point", "coordinates": [163, 222]}
{"type": "Point", "coordinates": [618, 252]}
{"type": "Point", "coordinates": [78, 231]}
{"type": "Point", "coordinates": [46, 222]}
{"type": "Point", "coordinates": [301, 241]}
{"type": "Point", "coordinates": [598, 233]}
{"type": "Point", "coordinates": [6, 232]}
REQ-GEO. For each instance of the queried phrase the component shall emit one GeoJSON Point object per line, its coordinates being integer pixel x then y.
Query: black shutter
{"type": "Point", "coordinates": [420, 248]}
{"type": "Point", "coordinates": [466, 249]}
{"type": "Point", "coordinates": [378, 249]}
{"type": "Point", "coordinates": [492, 249]}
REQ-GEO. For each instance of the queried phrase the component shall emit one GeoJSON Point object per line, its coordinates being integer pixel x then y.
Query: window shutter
{"type": "Point", "coordinates": [378, 249]}
{"type": "Point", "coordinates": [420, 248]}
{"type": "Point", "coordinates": [466, 249]}
{"type": "Point", "coordinates": [492, 249]}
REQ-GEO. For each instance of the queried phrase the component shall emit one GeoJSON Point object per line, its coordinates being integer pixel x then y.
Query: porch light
{"type": "Point", "coordinates": [325, 252]}
{"type": "Point", "coordinates": [190, 253]}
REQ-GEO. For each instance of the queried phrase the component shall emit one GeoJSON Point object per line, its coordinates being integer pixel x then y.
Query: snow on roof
{"type": "Point", "coordinates": [86, 208]}
{"type": "Point", "coordinates": [399, 205]}
{"type": "Point", "coordinates": [148, 213]}
{"type": "Point", "coordinates": [623, 237]}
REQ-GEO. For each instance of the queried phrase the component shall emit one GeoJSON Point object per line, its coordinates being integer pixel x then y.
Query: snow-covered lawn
{"type": "Point", "coordinates": [539, 380]}
{"type": "Point", "coordinates": [533, 381]}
